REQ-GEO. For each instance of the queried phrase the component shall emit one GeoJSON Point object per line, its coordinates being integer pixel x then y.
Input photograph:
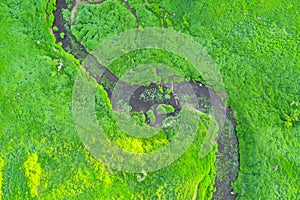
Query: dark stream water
{"type": "Point", "coordinates": [227, 143]}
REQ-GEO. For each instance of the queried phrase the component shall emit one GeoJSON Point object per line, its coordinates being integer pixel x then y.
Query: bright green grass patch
{"type": "Point", "coordinates": [254, 44]}
{"type": "Point", "coordinates": [33, 172]}
{"type": "Point", "coordinates": [2, 162]}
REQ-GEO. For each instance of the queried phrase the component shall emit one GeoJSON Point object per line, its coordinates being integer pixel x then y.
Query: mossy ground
{"type": "Point", "coordinates": [255, 45]}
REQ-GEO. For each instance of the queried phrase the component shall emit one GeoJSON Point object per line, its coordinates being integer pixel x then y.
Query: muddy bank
{"type": "Point", "coordinates": [227, 163]}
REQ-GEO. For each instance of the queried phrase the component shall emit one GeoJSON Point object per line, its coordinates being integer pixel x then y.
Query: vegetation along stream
{"type": "Point", "coordinates": [227, 163]}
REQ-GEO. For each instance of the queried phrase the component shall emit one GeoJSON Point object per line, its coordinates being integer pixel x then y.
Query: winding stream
{"type": "Point", "coordinates": [227, 155]}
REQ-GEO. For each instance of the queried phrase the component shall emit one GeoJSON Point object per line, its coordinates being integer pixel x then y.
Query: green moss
{"type": "Point", "coordinates": [138, 118]}
{"type": "Point", "coordinates": [62, 35]}
{"type": "Point", "coordinates": [55, 28]}
{"type": "Point", "coordinates": [151, 116]}
{"type": "Point", "coordinates": [165, 109]}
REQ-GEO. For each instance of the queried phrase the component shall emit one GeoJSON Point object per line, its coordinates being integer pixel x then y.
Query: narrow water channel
{"type": "Point", "coordinates": [227, 157]}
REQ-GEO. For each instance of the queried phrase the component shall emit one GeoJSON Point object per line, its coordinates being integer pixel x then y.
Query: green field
{"type": "Point", "coordinates": [255, 46]}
